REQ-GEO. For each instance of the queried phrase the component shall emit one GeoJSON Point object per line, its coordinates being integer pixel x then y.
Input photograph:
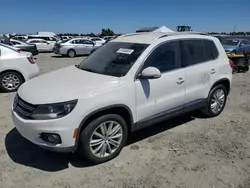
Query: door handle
{"type": "Point", "coordinates": [180, 81]}
{"type": "Point", "coordinates": [212, 71]}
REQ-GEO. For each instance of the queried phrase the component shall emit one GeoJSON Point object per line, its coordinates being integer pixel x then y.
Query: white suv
{"type": "Point", "coordinates": [132, 82]}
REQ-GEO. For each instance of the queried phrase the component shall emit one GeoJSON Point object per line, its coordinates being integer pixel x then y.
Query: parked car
{"type": "Point", "coordinates": [240, 49]}
{"type": "Point", "coordinates": [20, 38]}
{"type": "Point", "coordinates": [42, 45]}
{"type": "Point", "coordinates": [24, 46]}
{"type": "Point", "coordinates": [233, 43]}
{"type": "Point", "coordinates": [108, 38]}
{"type": "Point", "coordinates": [15, 68]}
{"type": "Point", "coordinates": [65, 37]}
{"type": "Point", "coordinates": [49, 39]}
{"type": "Point", "coordinates": [97, 40]}
{"type": "Point", "coordinates": [73, 47]}
{"type": "Point", "coordinates": [129, 83]}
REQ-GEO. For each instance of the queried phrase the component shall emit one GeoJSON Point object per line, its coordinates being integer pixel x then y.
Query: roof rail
{"type": "Point", "coordinates": [179, 33]}
{"type": "Point", "coordinates": [131, 34]}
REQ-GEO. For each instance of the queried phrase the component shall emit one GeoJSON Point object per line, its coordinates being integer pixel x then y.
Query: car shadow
{"type": "Point", "coordinates": [24, 152]}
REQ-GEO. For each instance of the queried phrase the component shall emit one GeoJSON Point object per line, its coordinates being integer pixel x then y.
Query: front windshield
{"type": "Point", "coordinates": [230, 42]}
{"type": "Point", "coordinates": [114, 58]}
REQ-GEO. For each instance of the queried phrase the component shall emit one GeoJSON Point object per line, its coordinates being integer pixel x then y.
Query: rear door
{"type": "Point", "coordinates": [88, 46]}
{"type": "Point", "coordinates": [201, 67]}
{"type": "Point", "coordinates": [77, 46]}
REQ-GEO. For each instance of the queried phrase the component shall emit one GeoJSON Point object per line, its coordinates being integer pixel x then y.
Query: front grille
{"type": "Point", "coordinates": [22, 108]}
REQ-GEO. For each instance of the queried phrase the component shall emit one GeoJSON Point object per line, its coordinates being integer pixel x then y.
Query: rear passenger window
{"type": "Point", "coordinates": [210, 50]}
{"type": "Point", "coordinates": [193, 52]}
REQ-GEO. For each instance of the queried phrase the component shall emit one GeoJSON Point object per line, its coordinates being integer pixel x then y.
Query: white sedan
{"type": "Point", "coordinates": [42, 45]}
{"type": "Point", "coordinates": [15, 68]}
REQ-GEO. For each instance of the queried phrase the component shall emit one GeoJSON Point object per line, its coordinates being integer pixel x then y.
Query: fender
{"type": "Point", "coordinates": [223, 80]}
{"type": "Point", "coordinates": [100, 110]}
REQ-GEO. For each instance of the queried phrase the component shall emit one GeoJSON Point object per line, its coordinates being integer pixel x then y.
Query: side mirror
{"type": "Point", "coordinates": [150, 73]}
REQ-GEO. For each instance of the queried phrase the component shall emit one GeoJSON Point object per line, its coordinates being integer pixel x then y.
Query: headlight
{"type": "Point", "coordinates": [53, 111]}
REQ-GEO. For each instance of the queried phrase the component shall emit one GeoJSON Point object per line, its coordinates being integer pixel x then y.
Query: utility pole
{"type": "Point", "coordinates": [234, 28]}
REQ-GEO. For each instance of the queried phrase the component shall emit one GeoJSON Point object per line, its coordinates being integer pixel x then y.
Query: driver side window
{"type": "Point", "coordinates": [165, 57]}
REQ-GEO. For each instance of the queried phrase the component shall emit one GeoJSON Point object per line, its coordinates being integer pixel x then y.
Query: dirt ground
{"type": "Point", "coordinates": [185, 152]}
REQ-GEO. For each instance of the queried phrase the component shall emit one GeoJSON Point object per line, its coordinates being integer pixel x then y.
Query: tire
{"type": "Point", "coordinates": [71, 53]}
{"type": "Point", "coordinates": [88, 135]}
{"type": "Point", "coordinates": [14, 79]}
{"type": "Point", "coordinates": [208, 110]}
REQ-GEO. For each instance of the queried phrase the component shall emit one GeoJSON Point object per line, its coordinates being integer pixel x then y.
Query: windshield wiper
{"type": "Point", "coordinates": [88, 70]}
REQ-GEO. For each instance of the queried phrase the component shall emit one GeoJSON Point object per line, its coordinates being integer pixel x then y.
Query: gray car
{"type": "Point", "coordinates": [73, 47]}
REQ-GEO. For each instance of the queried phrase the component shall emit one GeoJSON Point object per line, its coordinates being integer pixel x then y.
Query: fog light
{"type": "Point", "coordinates": [51, 138]}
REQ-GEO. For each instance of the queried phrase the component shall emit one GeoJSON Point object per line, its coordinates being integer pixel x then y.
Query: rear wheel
{"type": "Point", "coordinates": [104, 138]}
{"type": "Point", "coordinates": [216, 101]}
{"type": "Point", "coordinates": [10, 81]}
{"type": "Point", "coordinates": [71, 53]}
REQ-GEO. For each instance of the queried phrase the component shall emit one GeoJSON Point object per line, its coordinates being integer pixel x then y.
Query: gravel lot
{"type": "Point", "coordinates": [186, 152]}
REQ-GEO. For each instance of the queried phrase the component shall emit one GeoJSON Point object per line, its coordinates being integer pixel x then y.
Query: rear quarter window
{"type": "Point", "coordinates": [211, 50]}
{"type": "Point", "coordinates": [195, 51]}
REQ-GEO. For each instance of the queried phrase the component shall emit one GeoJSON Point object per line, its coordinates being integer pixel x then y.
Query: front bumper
{"type": "Point", "coordinates": [31, 130]}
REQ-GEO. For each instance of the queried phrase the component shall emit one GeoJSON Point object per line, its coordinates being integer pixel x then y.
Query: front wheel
{"type": "Point", "coordinates": [10, 81]}
{"type": "Point", "coordinates": [216, 101]}
{"type": "Point", "coordinates": [104, 138]}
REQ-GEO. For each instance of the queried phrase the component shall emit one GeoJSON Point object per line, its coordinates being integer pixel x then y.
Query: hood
{"type": "Point", "coordinates": [64, 85]}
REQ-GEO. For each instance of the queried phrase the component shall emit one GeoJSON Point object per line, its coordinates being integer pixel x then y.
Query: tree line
{"type": "Point", "coordinates": [104, 32]}
{"type": "Point", "coordinates": [231, 33]}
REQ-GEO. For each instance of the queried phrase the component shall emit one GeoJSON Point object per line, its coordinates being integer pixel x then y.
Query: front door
{"type": "Point", "coordinates": [157, 98]}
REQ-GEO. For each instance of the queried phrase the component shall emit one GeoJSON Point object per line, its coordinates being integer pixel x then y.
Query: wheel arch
{"type": "Point", "coordinates": [12, 70]}
{"type": "Point", "coordinates": [71, 49]}
{"type": "Point", "coordinates": [225, 82]}
{"type": "Point", "coordinates": [119, 109]}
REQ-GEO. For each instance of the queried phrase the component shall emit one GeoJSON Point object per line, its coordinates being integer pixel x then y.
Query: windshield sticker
{"type": "Point", "coordinates": [125, 51]}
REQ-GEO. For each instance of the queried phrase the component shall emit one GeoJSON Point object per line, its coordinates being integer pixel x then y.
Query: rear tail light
{"type": "Point", "coordinates": [231, 63]}
{"type": "Point", "coordinates": [31, 59]}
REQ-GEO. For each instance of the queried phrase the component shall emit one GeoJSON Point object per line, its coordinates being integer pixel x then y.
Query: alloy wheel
{"type": "Point", "coordinates": [10, 82]}
{"type": "Point", "coordinates": [106, 139]}
{"type": "Point", "coordinates": [217, 101]}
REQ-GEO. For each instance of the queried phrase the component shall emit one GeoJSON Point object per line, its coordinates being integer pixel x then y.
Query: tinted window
{"type": "Point", "coordinates": [41, 41]}
{"type": "Point", "coordinates": [34, 41]}
{"type": "Point", "coordinates": [88, 42]}
{"type": "Point", "coordinates": [245, 42]}
{"type": "Point", "coordinates": [114, 58]}
{"type": "Point", "coordinates": [211, 51]}
{"type": "Point", "coordinates": [96, 39]}
{"type": "Point", "coordinates": [165, 57]}
{"type": "Point", "coordinates": [15, 43]}
{"type": "Point", "coordinates": [52, 39]}
{"type": "Point", "coordinates": [230, 42]}
{"type": "Point", "coordinates": [75, 42]}
{"type": "Point", "coordinates": [193, 52]}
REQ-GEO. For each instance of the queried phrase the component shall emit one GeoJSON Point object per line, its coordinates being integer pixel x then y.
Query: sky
{"type": "Point", "coordinates": [82, 16]}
